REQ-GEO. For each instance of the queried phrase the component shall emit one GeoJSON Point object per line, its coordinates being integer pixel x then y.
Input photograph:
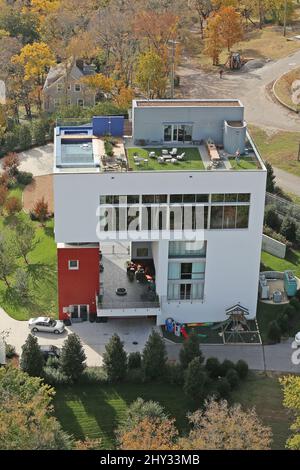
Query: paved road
{"type": "Point", "coordinates": [287, 181]}
{"type": "Point", "coordinates": [277, 357]}
{"type": "Point", "coordinates": [250, 87]}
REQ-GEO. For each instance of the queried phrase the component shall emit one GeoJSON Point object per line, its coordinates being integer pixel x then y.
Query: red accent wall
{"type": "Point", "coordinates": [78, 286]}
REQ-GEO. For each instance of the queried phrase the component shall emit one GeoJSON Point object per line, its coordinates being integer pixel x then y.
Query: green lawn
{"type": "Point", "coordinates": [264, 393]}
{"type": "Point", "coordinates": [192, 160]}
{"type": "Point", "coordinates": [279, 148]}
{"type": "Point", "coordinates": [291, 262]}
{"type": "Point", "coordinates": [42, 270]}
{"type": "Point", "coordinates": [95, 411]}
{"type": "Point", "coordinates": [244, 163]}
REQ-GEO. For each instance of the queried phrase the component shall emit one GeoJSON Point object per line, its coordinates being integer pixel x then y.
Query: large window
{"type": "Point", "coordinates": [178, 133]}
{"type": "Point", "coordinates": [229, 217]}
{"type": "Point", "coordinates": [191, 249]}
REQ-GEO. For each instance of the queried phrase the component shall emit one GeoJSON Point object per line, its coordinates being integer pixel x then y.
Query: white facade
{"type": "Point", "coordinates": [232, 256]}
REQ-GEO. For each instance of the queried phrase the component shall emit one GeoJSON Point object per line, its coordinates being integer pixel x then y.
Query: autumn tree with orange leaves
{"type": "Point", "coordinates": [150, 434]}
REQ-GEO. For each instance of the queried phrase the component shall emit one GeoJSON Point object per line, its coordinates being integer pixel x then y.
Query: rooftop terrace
{"type": "Point", "coordinates": [186, 103]}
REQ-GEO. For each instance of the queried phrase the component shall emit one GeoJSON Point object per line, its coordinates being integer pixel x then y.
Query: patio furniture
{"type": "Point", "coordinates": [181, 156]}
{"type": "Point", "coordinates": [174, 160]}
{"type": "Point", "coordinates": [161, 160]}
{"type": "Point", "coordinates": [173, 152]}
{"type": "Point", "coordinates": [121, 291]}
{"type": "Point", "coordinates": [146, 161]}
{"type": "Point", "coordinates": [165, 152]}
{"type": "Point", "coordinates": [152, 155]}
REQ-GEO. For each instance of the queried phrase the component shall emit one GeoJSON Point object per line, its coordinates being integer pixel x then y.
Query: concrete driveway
{"type": "Point", "coordinates": [38, 161]}
{"type": "Point", "coordinates": [94, 336]}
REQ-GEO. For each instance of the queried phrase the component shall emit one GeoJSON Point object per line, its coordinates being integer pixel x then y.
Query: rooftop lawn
{"type": "Point", "coordinates": [192, 160]}
{"type": "Point", "coordinates": [244, 163]}
{"type": "Point", "coordinates": [96, 410]}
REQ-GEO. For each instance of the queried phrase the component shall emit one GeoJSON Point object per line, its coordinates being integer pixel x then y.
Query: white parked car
{"type": "Point", "coordinates": [46, 325]}
{"type": "Point", "coordinates": [297, 339]}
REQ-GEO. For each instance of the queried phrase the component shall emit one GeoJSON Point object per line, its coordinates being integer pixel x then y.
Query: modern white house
{"type": "Point", "coordinates": [185, 193]}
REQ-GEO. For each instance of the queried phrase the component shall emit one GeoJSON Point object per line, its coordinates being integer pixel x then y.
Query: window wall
{"type": "Point", "coordinates": [178, 132]}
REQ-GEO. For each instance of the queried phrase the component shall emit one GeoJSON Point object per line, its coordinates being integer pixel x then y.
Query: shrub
{"type": "Point", "coordinates": [174, 374]}
{"type": "Point", "coordinates": [25, 137]}
{"type": "Point", "coordinates": [189, 350]}
{"type": "Point", "coordinates": [223, 388]}
{"type": "Point", "coordinates": [3, 196]}
{"type": "Point", "coordinates": [93, 375]}
{"type": "Point", "coordinates": [55, 377]}
{"type": "Point", "coordinates": [13, 205]}
{"type": "Point", "coordinates": [290, 311]}
{"type": "Point", "coordinates": [283, 322]}
{"type": "Point", "coordinates": [109, 150]}
{"type": "Point", "coordinates": [242, 369]}
{"type": "Point", "coordinates": [297, 295]}
{"type": "Point", "coordinates": [288, 229]}
{"type": "Point", "coordinates": [274, 332]}
{"type": "Point", "coordinates": [136, 376]}
{"type": "Point", "coordinates": [53, 362]}
{"type": "Point", "coordinates": [11, 141]}
{"type": "Point", "coordinates": [295, 303]}
{"type": "Point", "coordinates": [271, 218]}
{"type": "Point", "coordinates": [10, 351]}
{"type": "Point", "coordinates": [195, 380]}
{"type": "Point", "coordinates": [40, 210]}
{"type": "Point", "coordinates": [32, 360]}
{"type": "Point", "coordinates": [225, 366]}
{"type": "Point", "coordinates": [115, 359]}
{"type": "Point", "coordinates": [72, 357]}
{"type": "Point", "coordinates": [39, 132]}
{"type": "Point", "coordinates": [138, 411]}
{"type": "Point", "coordinates": [11, 163]}
{"type": "Point", "coordinates": [233, 378]}
{"type": "Point", "coordinates": [213, 367]}
{"type": "Point", "coordinates": [135, 360]}
{"type": "Point", "coordinates": [154, 356]}
{"type": "Point", "coordinates": [24, 177]}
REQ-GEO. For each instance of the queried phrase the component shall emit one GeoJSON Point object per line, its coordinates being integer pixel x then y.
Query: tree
{"type": "Point", "coordinates": [213, 40]}
{"type": "Point", "coordinates": [289, 229]}
{"type": "Point", "coordinates": [26, 421]}
{"type": "Point", "coordinates": [21, 285]}
{"type": "Point", "coordinates": [3, 197]}
{"type": "Point", "coordinates": [195, 380]}
{"type": "Point", "coordinates": [242, 369]}
{"type": "Point", "coordinates": [137, 412]}
{"type": "Point", "coordinates": [25, 137]}
{"type": "Point", "coordinates": [154, 356]}
{"type": "Point", "coordinates": [291, 400]}
{"type": "Point", "coordinates": [221, 427]}
{"type": "Point", "coordinates": [11, 163]}
{"type": "Point", "coordinates": [212, 367]}
{"type": "Point", "coordinates": [32, 360]}
{"type": "Point", "coordinates": [8, 264]}
{"type": "Point", "coordinates": [72, 357]}
{"type": "Point", "coordinates": [203, 9]}
{"type": "Point", "coordinates": [40, 210]}
{"type": "Point", "coordinates": [13, 205]}
{"type": "Point", "coordinates": [115, 359]}
{"type": "Point", "coordinates": [150, 434]}
{"type": "Point", "coordinates": [231, 28]}
{"type": "Point", "coordinates": [151, 75]}
{"type": "Point", "coordinates": [39, 132]}
{"type": "Point", "coordinates": [270, 178]}
{"type": "Point", "coordinates": [189, 350]}
{"type": "Point", "coordinates": [271, 218]}
{"type": "Point", "coordinates": [25, 238]}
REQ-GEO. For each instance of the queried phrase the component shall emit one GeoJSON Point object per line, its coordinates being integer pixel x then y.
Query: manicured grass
{"type": "Point", "coordinates": [291, 262]}
{"type": "Point", "coordinates": [192, 160]}
{"type": "Point", "coordinates": [244, 163]}
{"type": "Point", "coordinates": [283, 87]}
{"type": "Point", "coordinates": [279, 148]}
{"type": "Point", "coordinates": [42, 272]}
{"type": "Point", "coordinates": [264, 393]}
{"type": "Point", "coordinates": [207, 335]}
{"type": "Point", "coordinates": [96, 410]}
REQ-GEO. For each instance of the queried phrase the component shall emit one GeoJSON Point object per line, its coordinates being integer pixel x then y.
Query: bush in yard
{"type": "Point", "coordinates": [288, 229]}
{"type": "Point", "coordinates": [174, 374]}
{"type": "Point", "coordinates": [25, 137]}
{"type": "Point", "coordinates": [223, 388]}
{"type": "Point", "coordinates": [24, 178]}
{"type": "Point", "coordinates": [32, 360]}
{"type": "Point", "coordinates": [242, 369]}
{"type": "Point", "coordinates": [195, 380]}
{"type": "Point", "coordinates": [225, 366]}
{"type": "Point", "coordinates": [93, 375]}
{"type": "Point", "coordinates": [3, 197]}
{"type": "Point", "coordinates": [189, 350]}
{"type": "Point", "coordinates": [10, 351]}
{"type": "Point", "coordinates": [271, 218]}
{"type": "Point", "coordinates": [115, 359]}
{"type": "Point", "coordinates": [39, 133]}
{"type": "Point", "coordinates": [21, 285]}
{"type": "Point", "coordinates": [297, 295]}
{"type": "Point", "coordinates": [135, 360]}
{"type": "Point", "coordinates": [290, 311]}
{"type": "Point", "coordinates": [274, 332]}
{"type": "Point", "coordinates": [283, 322]}
{"type": "Point", "coordinates": [72, 357]}
{"type": "Point", "coordinates": [11, 141]}
{"type": "Point", "coordinates": [233, 378]}
{"type": "Point", "coordinates": [11, 163]}
{"type": "Point", "coordinates": [212, 367]}
{"type": "Point", "coordinates": [136, 376]}
{"type": "Point", "coordinates": [154, 356]}
{"type": "Point", "coordinates": [138, 411]}
{"type": "Point", "coordinates": [41, 211]}
{"type": "Point", "coordinates": [53, 362]}
{"type": "Point", "coordinates": [55, 377]}
{"type": "Point", "coordinates": [13, 205]}
{"type": "Point", "coordinates": [295, 304]}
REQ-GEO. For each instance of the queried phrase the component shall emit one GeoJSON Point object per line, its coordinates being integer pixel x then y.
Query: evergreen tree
{"type": "Point", "coordinates": [190, 349]}
{"type": "Point", "coordinates": [270, 188]}
{"type": "Point", "coordinates": [25, 138]}
{"type": "Point", "coordinates": [288, 229]}
{"type": "Point", "coordinates": [72, 357]}
{"type": "Point", "coordinates": [154, 356]}
{"type": "Point", "coordinates": [32, 360]}
{"type": "Point", "coordinates": [115, 359]}
{"type": "Point", "coordinates": [195, 380]}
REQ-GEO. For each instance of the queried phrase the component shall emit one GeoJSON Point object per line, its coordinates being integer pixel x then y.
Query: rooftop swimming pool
{"type": "Point", "coordinates": [77, 153]}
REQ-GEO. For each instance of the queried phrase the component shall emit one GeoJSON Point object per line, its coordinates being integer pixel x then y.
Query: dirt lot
{"type": "Point", "coordinates": [42, 187]}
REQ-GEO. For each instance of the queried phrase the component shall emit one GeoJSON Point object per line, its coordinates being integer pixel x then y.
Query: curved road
{"type": "Point", "coordinates": [250, 87]}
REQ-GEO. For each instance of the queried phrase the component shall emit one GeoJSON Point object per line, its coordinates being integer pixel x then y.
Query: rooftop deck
{"type": "Point", "coordinates": [186, 103]}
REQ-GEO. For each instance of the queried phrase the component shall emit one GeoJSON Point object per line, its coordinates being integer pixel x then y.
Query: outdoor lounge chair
{"type": "Point", "coordinates": [173, 152]}
{"type": "Point", "coordinates": [181, 156]}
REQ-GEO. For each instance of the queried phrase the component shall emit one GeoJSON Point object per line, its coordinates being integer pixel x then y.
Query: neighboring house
{"type": "Point", "coordinates": [63, 86]}
{"type": "Point", "coordinates": [199, 273]}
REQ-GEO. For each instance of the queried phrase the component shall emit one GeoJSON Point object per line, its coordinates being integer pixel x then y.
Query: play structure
{"type": "Point", "coordinates": [290, 283]}
{"type": "Point", "coordinates": [179, 329]}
